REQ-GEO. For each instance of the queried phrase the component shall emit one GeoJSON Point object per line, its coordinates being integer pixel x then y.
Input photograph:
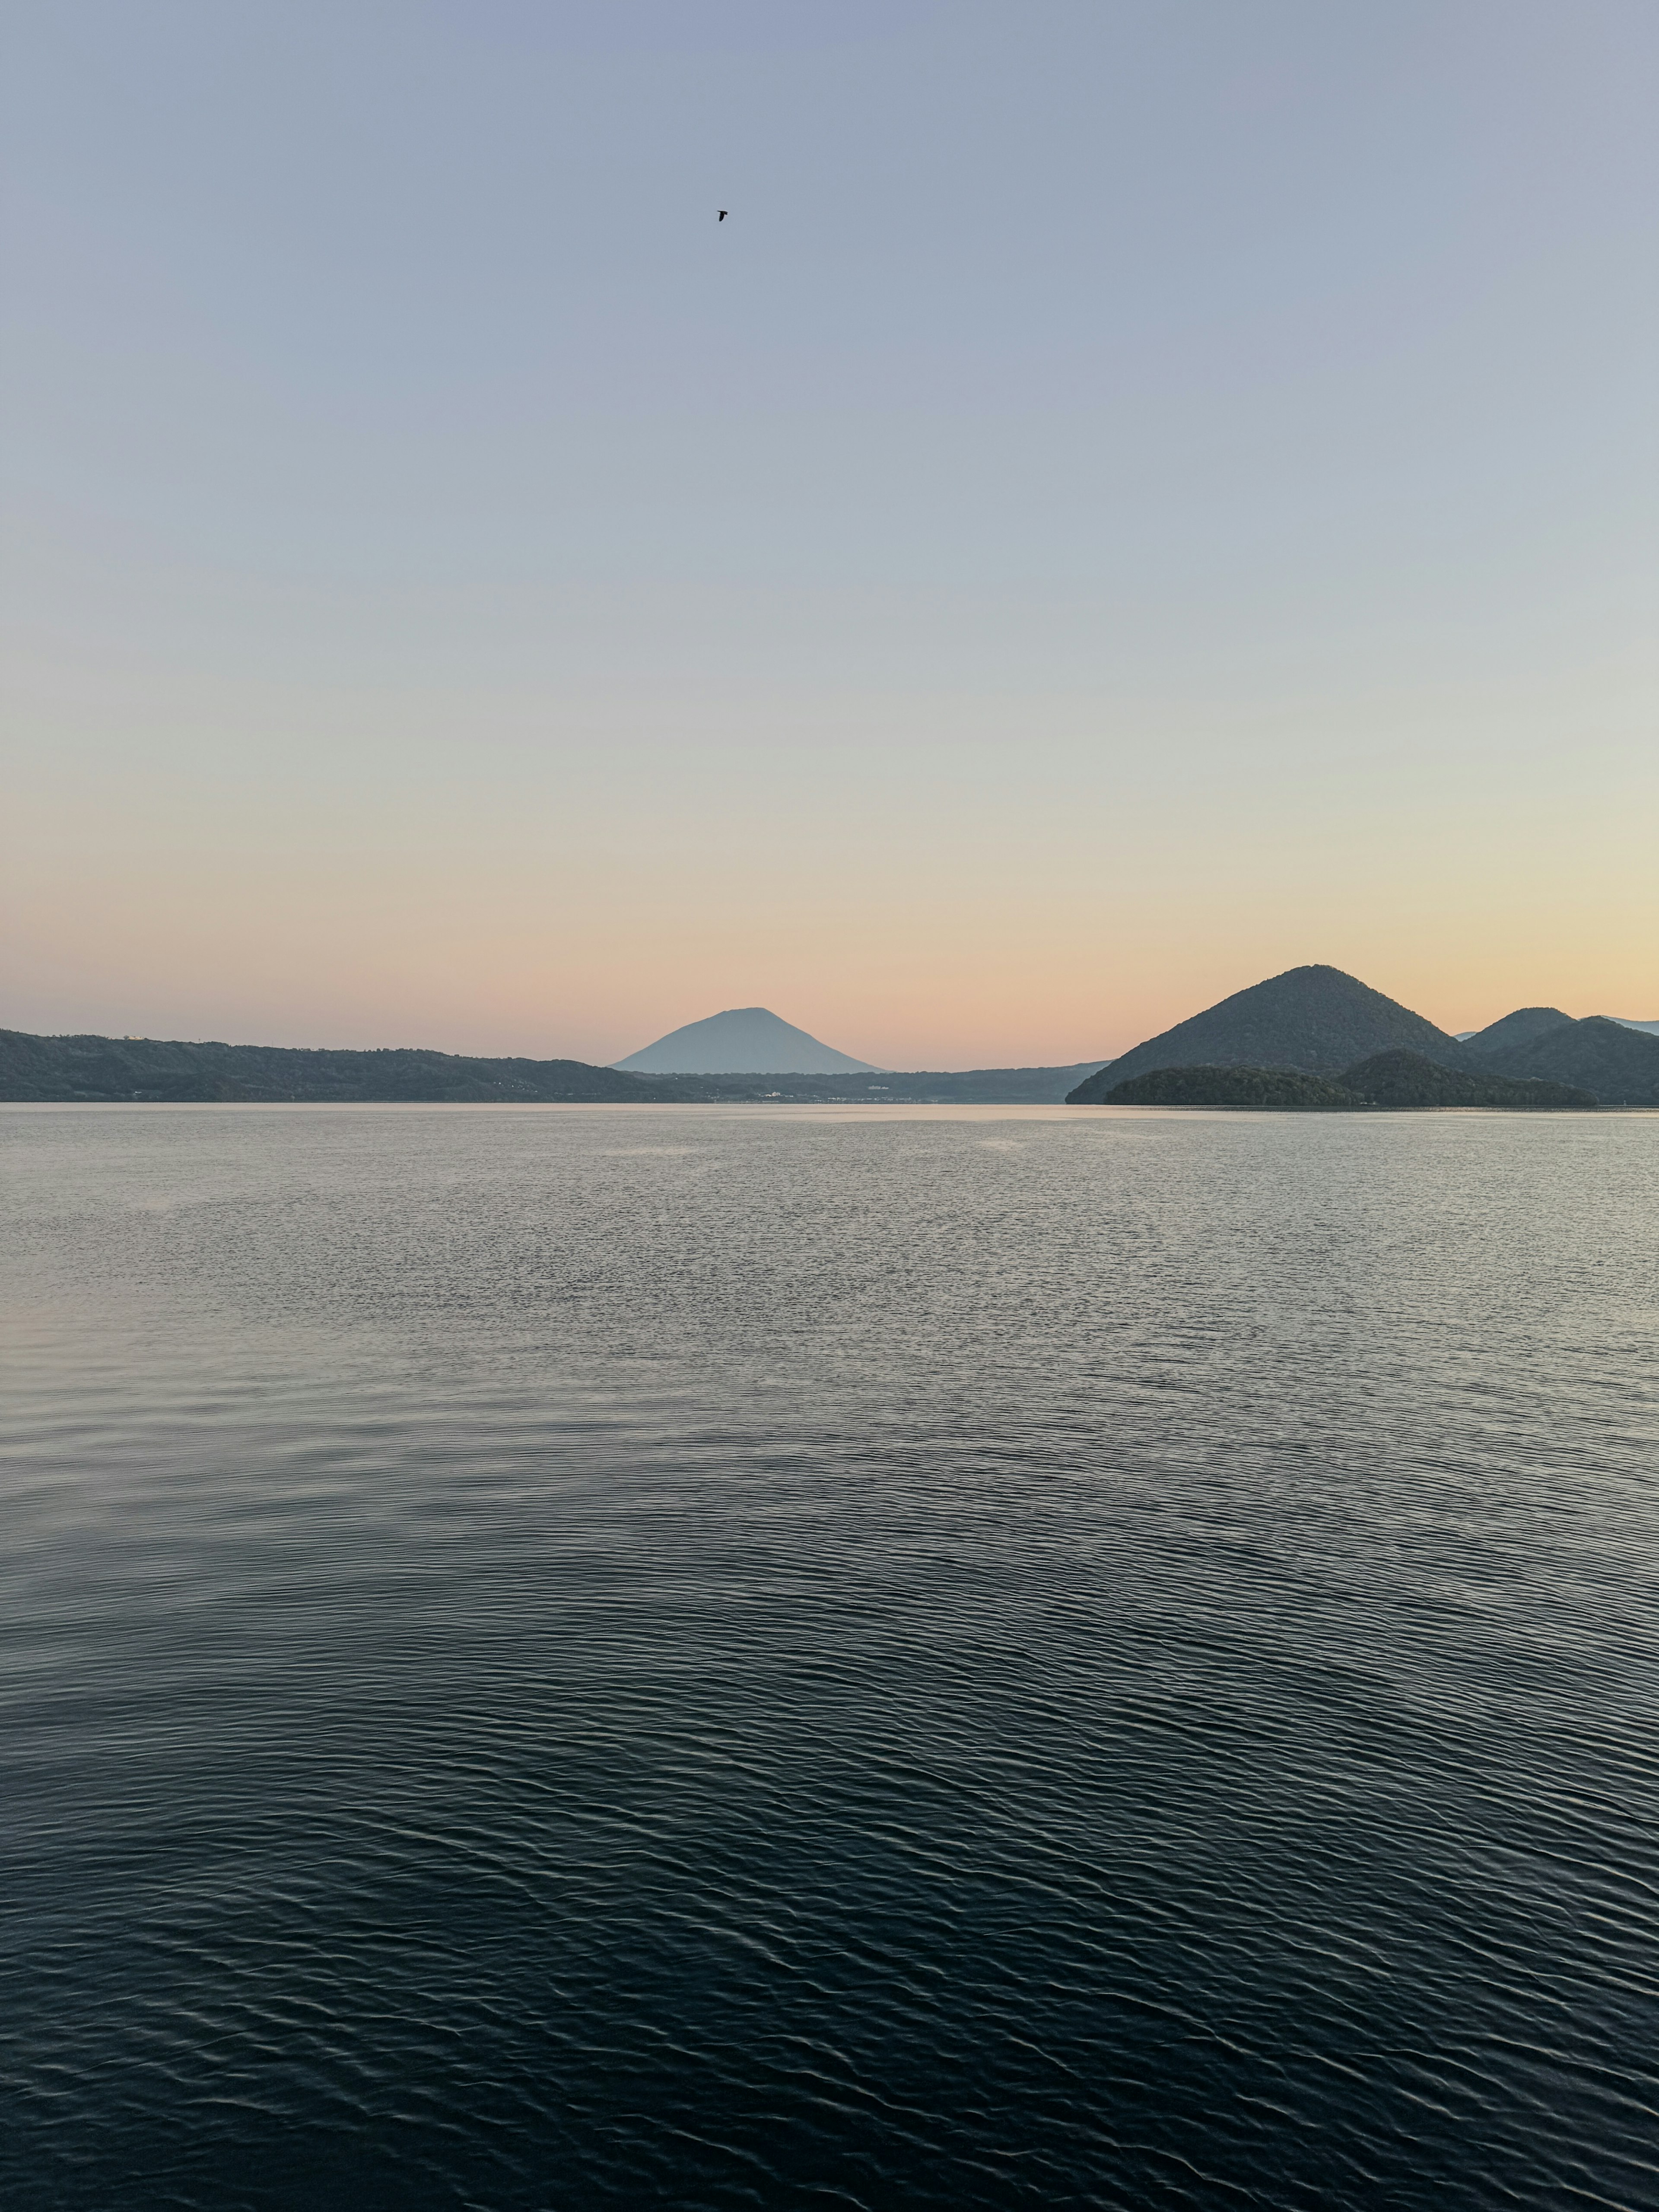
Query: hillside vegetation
{"type": "Point", "coordinates": [1407, 1079]}
{"type": "Point", "coordinates": [1619, 1065]}
{"type": "Point", "coordinates": [128, 1069]}
{"type": "Point", "coordinates": [1276, 1089]}
{"type": "Point", "coordinates": [1387, 1081]}
{"type": "Point", "coordinates": [1520, 1027]}
{"type": "Point", "coordinates": [150, 1068]}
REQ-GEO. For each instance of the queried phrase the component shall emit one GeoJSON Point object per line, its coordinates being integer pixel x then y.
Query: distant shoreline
{"type": "Point", "coordinates": [1046, 1109]}
{"type": "Point", "coordinates": [152, 1071]}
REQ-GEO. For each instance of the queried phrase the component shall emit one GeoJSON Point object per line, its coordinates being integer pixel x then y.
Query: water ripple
{"type": "Point", "coordinates": [1008, 1659]}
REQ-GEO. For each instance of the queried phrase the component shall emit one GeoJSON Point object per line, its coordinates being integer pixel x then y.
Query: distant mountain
{"type": "Point", "coordinates": [746, 1040]}
{"type": "Point", "coordinates": [150, 1068]}
{"type": "Point", "coordinates": [1620, 1065]}
{"type": "Point", "coordinates": [1406, 1078]}
{"type": "Point", "coordinates": [1316, 1019]}
{"type": "Point", "coordinates": [1652, 1028]}
{"type": "Point", "coordinates": [1518, 1028]}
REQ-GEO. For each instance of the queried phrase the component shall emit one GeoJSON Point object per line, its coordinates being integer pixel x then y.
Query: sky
{"type": "Point", "coordinates": [1137, 496]}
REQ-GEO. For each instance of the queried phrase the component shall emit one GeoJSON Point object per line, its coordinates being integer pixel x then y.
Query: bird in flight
{"type": "Point", "coordinates": [722, 214]}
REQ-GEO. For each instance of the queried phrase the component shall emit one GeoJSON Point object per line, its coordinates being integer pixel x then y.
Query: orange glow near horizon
{"type": "Point", "coordinates": [984, 610]}
{"type": "Point", "coordinates": [972, 930]}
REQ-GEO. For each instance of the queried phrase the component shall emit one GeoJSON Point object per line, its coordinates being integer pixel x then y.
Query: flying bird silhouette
{"type": "Point", "coordinates": [722, 214]}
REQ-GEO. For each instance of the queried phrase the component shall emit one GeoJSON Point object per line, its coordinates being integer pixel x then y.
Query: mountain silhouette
{"type": "Point", "coordinates": [1314, 1018]}
{"type": "Point", "coordinates": [1410, 1079]}
{"type": "Point", "coordinates": [1520, 1027]}
{"type": "Point", "coordinates": [1620, 1065]}
{"type": "Point", "coordinates": [744, 1041]}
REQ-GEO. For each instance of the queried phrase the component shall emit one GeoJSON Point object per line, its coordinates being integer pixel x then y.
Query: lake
{"type": "Point", "coordinates": [847, 1657]}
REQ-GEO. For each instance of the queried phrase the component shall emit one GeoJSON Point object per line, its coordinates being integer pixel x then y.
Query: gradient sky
{"type": "Point", "coordinates": [1135, 497]}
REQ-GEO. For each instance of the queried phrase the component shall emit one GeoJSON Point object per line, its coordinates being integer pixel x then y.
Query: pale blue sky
{"type": "Point", "coordinates": [1133, 496]}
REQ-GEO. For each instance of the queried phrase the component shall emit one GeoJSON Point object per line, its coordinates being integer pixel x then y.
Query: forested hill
{"type": "Point", "coordinates": [1620, 1065]}
{"type": "Point", "coordinates": [1524, 1026]}
{"type": "Point", "coordinates": [1269, 1089]}
{"type": "Point", "coordinates": [1314, 1018]}
{"type": "Point", "coordinates": [1387, 1079]}
{"type": "Point", "coordinates": [150, 1069]}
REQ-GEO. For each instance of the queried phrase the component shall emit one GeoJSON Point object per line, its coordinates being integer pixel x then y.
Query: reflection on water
{"type": "Point", "coordinates": [887, 1658]}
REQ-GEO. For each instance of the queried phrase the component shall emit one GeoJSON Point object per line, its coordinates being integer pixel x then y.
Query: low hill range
{"type": "Point", "coordinates": [1406, 1078]}
{"type": "Point", "coordinates": [1318, 1022]}
{"type": "Point", "coordinates": [1261, 1089]}
{"type": "Point", "coordinates": [1615, 1059]}
{"type": "Point", "coordinates": [1522, 1027]}
{"type": "Point", "coordinates": [1311, 1022]}
{"type": "Point", "coordinates": [156, 1071]}
{"type": "Point", "coordinates": [160, 1070]}
{"type": "Point", "coordinates": [1388, 1080]}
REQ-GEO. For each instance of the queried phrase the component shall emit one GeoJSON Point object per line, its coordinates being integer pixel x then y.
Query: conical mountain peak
{"type": "Point", "coordinates": [1316, 1018]}
{"type": "Point", "coordinates": [743, 1040]}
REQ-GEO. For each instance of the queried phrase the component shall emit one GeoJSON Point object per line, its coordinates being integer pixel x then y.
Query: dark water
{"type": "Point", "coordinates": [766, 1659]}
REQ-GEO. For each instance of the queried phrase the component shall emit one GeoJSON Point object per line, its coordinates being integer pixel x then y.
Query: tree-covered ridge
{"type": "Point", "coordinates": [127, 1069]}
{"type": "Point", "coordinates": [96, 1068]}
{"type": "Point", "coordinates": [1619, 1065]}
{"type": "Point", "coordinates": [1275, 1089]}
{"type": "Point", "coordinates": [1406, 1078]}
{"type": "Point", "coordinates": [1521, 1027]}
{"type": "Point", "coordinates": [1387, 1081]}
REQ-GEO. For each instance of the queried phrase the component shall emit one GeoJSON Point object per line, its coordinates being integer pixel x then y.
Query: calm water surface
{"type": "Point", "coordinates": [968, 1657]}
